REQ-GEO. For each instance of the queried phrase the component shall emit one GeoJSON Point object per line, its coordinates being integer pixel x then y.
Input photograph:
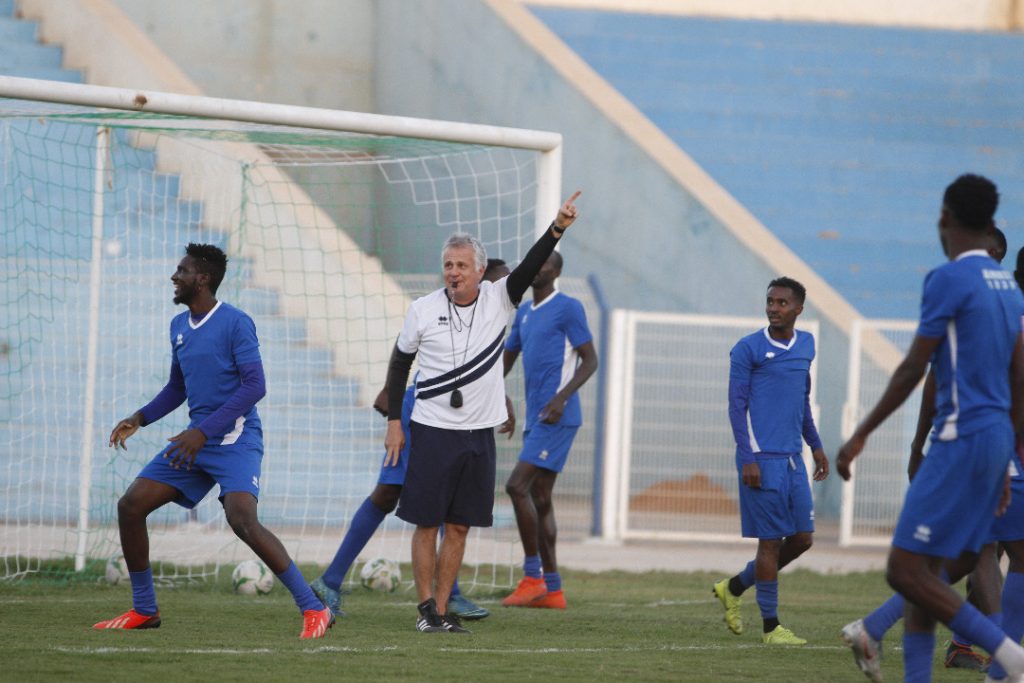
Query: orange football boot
{"type": "Point", "coordinates": [551, 600]}
{"type": "Point", "coordinates": [130, 620]}
{"type": "Point", "coordinates": [528, 590]}
{"type": "Point", "coordinates": [316, 622]}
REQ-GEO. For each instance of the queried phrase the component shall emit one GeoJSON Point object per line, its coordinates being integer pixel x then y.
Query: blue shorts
{"type": "Point", "coordinates": [1010, 527]}
{"type": "Point", "coordinates": [547, 446]}
{"type": "Point", "coordinates": [950, 505]}
{"type": "Point", "coordinates": [450, 477]}
{"type": "Point", "coordinates": [783, 505]}
{"type": "Point", "coordinates": [235, 468]}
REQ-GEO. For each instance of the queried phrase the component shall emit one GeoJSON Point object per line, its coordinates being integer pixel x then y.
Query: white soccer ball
{"type": "Point", "coordinates": [381, 574]}
{"type": "Point", "coordinates": [116, 571]}
{"type": "Point", "coordinates": [251, 577]}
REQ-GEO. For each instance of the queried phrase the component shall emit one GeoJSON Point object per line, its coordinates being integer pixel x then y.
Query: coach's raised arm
{"type": "Point", "coordinates": [519, 279]}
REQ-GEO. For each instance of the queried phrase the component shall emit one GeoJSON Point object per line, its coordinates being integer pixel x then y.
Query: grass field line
{"type": "Point", "coordinates": [331, 649]}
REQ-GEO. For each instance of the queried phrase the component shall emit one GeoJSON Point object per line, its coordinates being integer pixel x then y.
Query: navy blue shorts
{"type": "Point", "coordinates": [450, 477]}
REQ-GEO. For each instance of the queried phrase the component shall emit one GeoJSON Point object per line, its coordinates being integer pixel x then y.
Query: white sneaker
{"type": "Point", "coordinates": [867, 651]}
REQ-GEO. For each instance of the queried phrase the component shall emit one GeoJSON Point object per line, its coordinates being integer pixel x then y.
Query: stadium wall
{"type": "Point", "coordinates": [316, 52]}
{"type": "Point", "coordinates": [657, 231]}
{"type": "Point", "coordinates": [970, 15]}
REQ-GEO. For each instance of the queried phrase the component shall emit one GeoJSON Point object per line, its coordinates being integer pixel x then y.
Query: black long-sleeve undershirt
{"type": "Point", "coordinates": [398, 375]}
{"type": "Point", "coordinates": [520, 279]}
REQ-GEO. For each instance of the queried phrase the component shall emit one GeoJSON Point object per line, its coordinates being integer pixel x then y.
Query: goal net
{"type": "Point", "coordinates": [329, 235]}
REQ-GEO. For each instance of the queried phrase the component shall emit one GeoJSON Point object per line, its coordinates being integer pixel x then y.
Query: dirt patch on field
{"type": "Point", "coordinates": [698, 494]}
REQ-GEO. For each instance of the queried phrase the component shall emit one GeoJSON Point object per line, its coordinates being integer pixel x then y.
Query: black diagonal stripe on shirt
{"type": "Point", "coordinates": [433, 381]}
{"type": "Point", "coordinates": [463, 381]}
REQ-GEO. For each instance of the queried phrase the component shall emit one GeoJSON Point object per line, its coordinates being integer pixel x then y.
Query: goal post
{"type": "Point", "coordinates": [332, 222]}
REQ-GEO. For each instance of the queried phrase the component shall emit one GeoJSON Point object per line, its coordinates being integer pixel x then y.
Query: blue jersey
{"type": "Point", "coordinates": [548, 335]}
{"type": "Point", "coordinates": [769, 395]}
{"type": "Point", "coordinates": [209, 353]}
{"type": "Point", "coordinates": [974, 307]}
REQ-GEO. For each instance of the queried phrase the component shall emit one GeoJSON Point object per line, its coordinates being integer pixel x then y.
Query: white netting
{"type": "Point", "coordinates": [329, 236]}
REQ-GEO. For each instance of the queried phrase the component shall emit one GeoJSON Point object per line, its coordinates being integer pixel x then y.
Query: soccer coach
{"type": "Point", "coordinates": [457, 334]}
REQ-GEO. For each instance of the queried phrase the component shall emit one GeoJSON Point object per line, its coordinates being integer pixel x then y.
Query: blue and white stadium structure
{"type": "Point", "coordinates": [715, 152]}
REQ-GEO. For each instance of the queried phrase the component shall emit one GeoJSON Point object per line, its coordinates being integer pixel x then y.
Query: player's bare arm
{"type": "Point", "coordinates": [552, 412]}
{"type": "Point", "coordinates": [752, 475]}
{"type": "Point", "coordinates": [509, 425]}
{"type": "Point", "coordinates": [820, 464]}
{"type": "Point", "coordinates": [1017, 386]}
{"type": "Point", "coordinates": [185, 446]}
{"type": "Point", "coordinates": [924, 424]}
{"type": "Point", "coordinates": [902, 383]}
{"type": "Point", "coordinates": [124, 429]}
{"type": "Point", "coordinates": [380, 404]}
{"type": "Point", "coordinates": [567, 214]}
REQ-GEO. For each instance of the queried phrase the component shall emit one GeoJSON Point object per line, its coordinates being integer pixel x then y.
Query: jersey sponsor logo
{"type": "Point", "coordinates": [998, 279]}
{"type": "Point", "coordinates": [923, 533]}
{"type": "Point", "coordinates": [180, 341]}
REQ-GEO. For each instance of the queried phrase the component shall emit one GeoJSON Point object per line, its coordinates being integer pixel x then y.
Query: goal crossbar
{"type": "Point", "coordinates": [549, 144]}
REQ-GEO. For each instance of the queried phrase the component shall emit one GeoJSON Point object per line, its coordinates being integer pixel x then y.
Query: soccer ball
{"type": "Point", "coordinates": [251, 577]}
{"type": "Point", "coordinates": [116, 571]}
{"type": "Point", "coordinates": [381, 574]}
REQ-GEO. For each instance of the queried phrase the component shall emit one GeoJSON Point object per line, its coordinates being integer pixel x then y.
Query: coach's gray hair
{"type": "Point", "coordinates": [462, 239]}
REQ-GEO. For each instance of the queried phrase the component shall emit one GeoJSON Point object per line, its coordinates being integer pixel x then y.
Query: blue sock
{"type": "Point", "coordinates": [364, 524]}
{"type": "Point", "coordinates": [768, 598]}
{"type": "Point", "coordinates": [878, 623]}
{"type": "Point", "coordinates": [747, 575]}
{"type": "Point", "coordinates": [963, 641]}
{"type": "Point", "coordinates": [553, 581]}
{"type": "Point", "coordinates": [973, 624]}
{"type": "Point", "coordinates": [918, 649]}
{"type": "Point", "coordinates": [531, 566]}
{"type": "Point", "coordinates": [293, 580]}
{"type": "Point", "coordinates": [143, 592]}
{"type": "Point", "coordinates": [1013, 615]}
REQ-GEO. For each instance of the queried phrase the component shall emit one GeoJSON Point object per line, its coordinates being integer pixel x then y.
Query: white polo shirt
{"type": "Point", "coordinates": [459, 347]}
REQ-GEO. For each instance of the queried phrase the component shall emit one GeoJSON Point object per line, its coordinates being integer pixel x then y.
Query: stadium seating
{"type": "Point", "coordinates": [838, 138]}
{"type": "Point", "coordinates": [143, 211]}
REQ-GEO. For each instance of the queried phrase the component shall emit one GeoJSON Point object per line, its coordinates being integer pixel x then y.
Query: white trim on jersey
{"type": "Point", "coordinates": [754, 446]}
{"type": "Point", "coordinates": [232, 436]}
{"type": "Point", "coordinates": [197, 325]}
{"type": "Point", "coordinates": [777, 343]}
{"type": "Point", "coordinates": [570, 361]}
{"type": "Point", "coordinates": [948, 432]}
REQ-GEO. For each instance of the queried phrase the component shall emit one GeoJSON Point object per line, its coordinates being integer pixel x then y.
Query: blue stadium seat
{"type": "Point", "coordinates": [839, 139]}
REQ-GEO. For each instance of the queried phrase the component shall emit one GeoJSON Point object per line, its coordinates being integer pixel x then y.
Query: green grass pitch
{"type": "Point", "coordinates": [655, 626]}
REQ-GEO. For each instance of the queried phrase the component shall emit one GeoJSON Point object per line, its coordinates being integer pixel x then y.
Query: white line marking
{"type": "Point", "coordinates": [328, 649]}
